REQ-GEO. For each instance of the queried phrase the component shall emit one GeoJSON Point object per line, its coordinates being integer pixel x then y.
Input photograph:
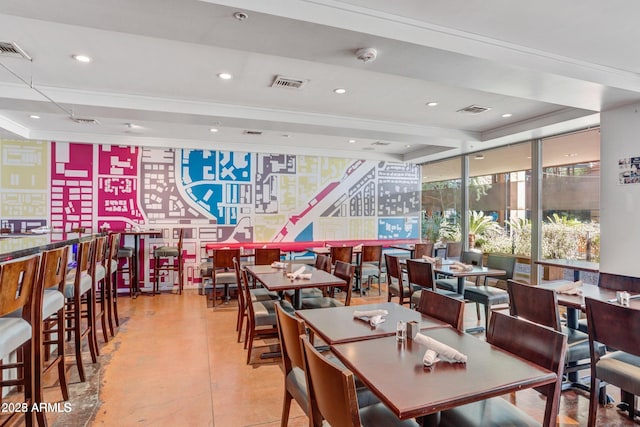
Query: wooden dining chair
{"type": "Point", "coordinates": [344, 271]}
{"type": "Point", "coordinates": [421, 274]}
{"type": "Point", "coordinates": [370, 266]}
{"type": "Point", "coordinates": [539, 345]}
{"type": "Point", "coordinates": [266, 256]}
{"type": "Point", "coordinates": [397, 286]}
{"type": "Point", "coordinates": [17, 282]}
{"type": "Point", "coordinates": [222, 273]}
{"type": "Point", "coordinates": [422, 249]}
{"type": "Point", "coordinates": [540, 305]}
{"type": "Point", "coordinates": [616, 327]}
{"type": "Point", "coordinates": [442, 307]}
{"type": "Point", "coordinates": [169, 258]}
{"type": "Point", "coordinates": [453, 250]}
{"type": "Point", "coordinates": [333, 395]}
{"type": "Point", "coordinates": [341, 253]}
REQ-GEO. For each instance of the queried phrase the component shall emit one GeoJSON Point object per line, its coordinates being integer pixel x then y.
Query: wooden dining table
{"type": "Point", "coordinates": [276, 279]}
{"type": "Point", "coordinates": [395, 373]}
{"type": "Point", "coordinates": [337, 325]}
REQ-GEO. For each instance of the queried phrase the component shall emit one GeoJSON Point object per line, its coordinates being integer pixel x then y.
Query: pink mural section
{"type": "Point", "coordinates": [72, 177]}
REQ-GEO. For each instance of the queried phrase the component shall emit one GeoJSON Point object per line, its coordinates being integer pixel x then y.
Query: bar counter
{"type": "Point", "coordinates": [14, 246]}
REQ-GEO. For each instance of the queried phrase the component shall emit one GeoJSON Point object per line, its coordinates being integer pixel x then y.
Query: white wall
{"type": "Point", "coordinates": [619, 204]}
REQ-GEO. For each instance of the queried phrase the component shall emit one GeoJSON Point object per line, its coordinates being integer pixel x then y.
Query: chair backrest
{"type": "Point", "coordinates": [101, 249]}
{"type": "Point", "coordinates": [223, 258]}
{"type": "Point", "coordinates": [332, 390]}
{"type": "Point", "coordinates": [323, 262]}
{"type": "Point", "coordinates": [534, 303]}
{"type": "Point", "coordinates": [17, 281]}
{"type": "Point", "coordinates": [345, 271]}
{"type": "Point", "coordinates": [289, 330]}
{"type": "Point", "coordinates": [393, 268]}
{"type": "Point", "coordinates": [421, 273]}
{"type": "Point", "coordinates": [85, 257]}
{"type": "Point", "coordinates": [453, 249]}
{"type": "Point", "coordinates": [443, 308]}
{"type": "Point", "coordinates": [341, 253]}
{"type": "Point", "coordinates": [371, 254]}
{"type": "Point", "coordinates": [421, 249]}
{"type": "Point", "coordinates": [472, 258]}
{"type": "Point", "coordinates": [619, 282]}
{"type": "Point", "coordinates": [243, 283]}
{"type": "Point", "coordinates": [613, 325]}
{"type": "Point", "coordinates": [542, 346]}
{"type": "Point", "coordinates": [502, 262]}
{"type": "Point", "coordinates": [180, 241]}
{"type": "Point", "coordinates": [266, 256]}
{"type": "Point", "coordinates": [112, 251]}
{"type": "Point", "coordinates": [241, 296]}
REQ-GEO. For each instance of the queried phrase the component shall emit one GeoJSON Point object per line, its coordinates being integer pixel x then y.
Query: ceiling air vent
{"type": "Point", "coordinates": [252, 132]}
{"type": "Point", "coordinates": [288, 82]}
{"type": "Point", "coordinates": [12, 50]}
{"type": "Point", "coordinates": [380, 143]}
{"type": "Point", "coordinates": [474, 109]}
{"type": "Point", "coordinates": [85, 121]}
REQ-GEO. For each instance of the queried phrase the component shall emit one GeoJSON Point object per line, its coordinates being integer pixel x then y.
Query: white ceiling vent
{"type": "Point", "coordinates": [12, 50]}
{"type": "Point", "coordinates": [288, 82]}
{"type": "Point", "coordinates": [85, 121]}
{"type": "Point", "coordinates": [380, 143]}
{"type": "Point", "coordinates": [252, 132]}
{"type": "Point", "coordinates": [473, 109]}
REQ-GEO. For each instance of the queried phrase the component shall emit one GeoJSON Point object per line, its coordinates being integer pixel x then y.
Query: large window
{"type": "Point", "coordinates": [441, 199]}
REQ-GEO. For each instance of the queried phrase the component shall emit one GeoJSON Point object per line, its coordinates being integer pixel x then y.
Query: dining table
{"type": "Point", "coordinates": [577, 265]}
{"type": "Point", "coordinates": [395, 373]}
{"type": "Point", "coordinates": [276, 279]}
{"type": "Point", "coordinates": [138, 254]}
{"type": "Point", "coordinates": [336, 325]}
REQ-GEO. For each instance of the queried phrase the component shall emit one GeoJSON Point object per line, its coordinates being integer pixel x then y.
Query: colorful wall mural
{"type": "Point", "coordinates": [217, 196]}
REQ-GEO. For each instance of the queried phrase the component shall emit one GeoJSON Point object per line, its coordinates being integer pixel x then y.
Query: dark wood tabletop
{"type": "Point", "coordinates": [336, 324]}
{"type": "Point", "coordinates": [396, 374]}
{"type": "Point", "coordinates": [275, 279]}
{"type": "Point", "coordinates": [586, 290]}
{"type": "Point", "coordinates": [572, 264]}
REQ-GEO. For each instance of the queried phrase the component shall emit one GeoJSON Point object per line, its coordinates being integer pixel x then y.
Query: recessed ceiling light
{"type": "Point", "coordinates": [34, 116]}
{"type": "Point", "coordinates": [82, 58]}
{"type": "Point", "coordinates": [506, 115]}
{"type": "Point", "coordinates": [408, 146]}
{"type": "Point", "coordinates": [286, 135]}
{"type": "Point", "coordinates": [240, 16]}
{"type": "Point", "coordinates": [132, 126]}
{"type": "Point", "coordinates": [225, 76]}
{"type": "Point", "coordinates": [214, 130]}
{"type": "Point", "coordinates": [432, 104]}
{"type": "Point", "coordinates": [479, 157]}
{"type": "Point", "coordinates": [571, 154]}
{"type": "Point", "coordinates": [340, 91]}
{"type": "Point", "coordinates": [352, 141]}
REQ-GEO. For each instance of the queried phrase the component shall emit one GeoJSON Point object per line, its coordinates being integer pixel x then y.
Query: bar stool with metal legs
{"type": "Point", "coordinates": [17, 280]}
{"type": "Point", "coordinates": [99, 280]}
{"type": "Point", "coordinates": [174, 252]}
{"type": "Point", "coordinates": [111, 285]}
{"type": "Point", "coordinates": [126, 253]}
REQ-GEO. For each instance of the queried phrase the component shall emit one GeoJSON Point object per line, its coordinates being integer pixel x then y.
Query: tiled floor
{"type": "Point", "coordinates": [175, 362]}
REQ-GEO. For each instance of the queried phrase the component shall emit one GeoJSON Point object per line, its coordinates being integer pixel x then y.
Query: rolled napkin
{"type": "Point", "coordinates": [458, 266]}
{"type": "Point", "coordinates": [278, 264]}
{"type": "Point", "coordinates": [358, 247]}
{"type": "Point", "coordinates": [441, 350]}
{"type": "Point", "coordinates": [429, 259]}
{"type": "Point", "coordinates": [305, 276]}
{"type": "Point", "coordinates": [570, 288]}
{"type": "Point", "coordinates": [296, 273]}
{"type": "Point", "coordinates": [374, 317]}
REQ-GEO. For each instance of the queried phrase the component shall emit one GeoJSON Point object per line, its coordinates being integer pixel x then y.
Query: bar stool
{"type": "Point", "coordinates": [111, 264]}
{"type": "Point", "coordinates": [99, 283]}
{"type": "Point", "coordinates": [126, 253]}
{"type": "Point", "coordinates": [17, 280]}
{"type": "Point", "coordinates": [78, 288]}
{"type": "Point", "coordinates": [174, 252]}
{"type": "Point", "coordinates": [49, 330]}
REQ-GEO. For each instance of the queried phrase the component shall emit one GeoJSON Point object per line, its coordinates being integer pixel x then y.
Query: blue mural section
{"type": "Point", "coordinates": [398, 228]}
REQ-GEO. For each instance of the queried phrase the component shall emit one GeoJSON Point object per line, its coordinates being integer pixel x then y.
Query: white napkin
{"type": "Point", "coordinates": [358, 247]}
{"type": "Point", "coordinates": [429, 259]}
{"type": "Point", "coordinates": [297, 273]}
{"type": "Point", "coordinates": [278, 264]}
{"type": "Point", "coordinates": [375, 317]}
{"type": "Point", "coordinates": [458, 266]}
{"type": "Point", "coordinates": [570, 288]}
{"type": "Point", "coordinates": [438, 351]}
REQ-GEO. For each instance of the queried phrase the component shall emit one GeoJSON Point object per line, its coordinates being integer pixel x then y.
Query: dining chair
{"type": "Point", "coordinates": [98, 273]}
{"type": "Point", "coordinates": [422, 249]}
{"type": "Point", "coordinates": [615, 327]}
{"type": "Point", "coordinates": [49, 301]}
{"type": "Point", "coordinates": [396, 286]}
{"type": "Point", "coordinates": [17, 282]}
{"type": "Point", "coordinates": [540, 305]}
{"type": "Point", "coordinates": [80, 304]}
{"type": "Point", "coordinates": [127, 268]}
{"type": "Point", "coordinates": [266, 256]}
{"type": "Point", "coordinates": [469, 258]}
{"type": "Point", "coordinates": [370, 266]}
{"type": "Point", "coordinates": [333, 395]}
{"type": "Point", "coordinates": [541, 346]}
{"type": "Point", "coordinates": [489, 295]}
{"type": "Point", "coordinates": [261, 316]}
{"type": "Point", "coordinates": [111, 265]}
{"type": "Point", "coordinates": [442, 307]}
{"type": "Point", "coordinates": [222, 273]}
{"type": "Point", "coordinates": [344, 271]}
{"type": "Point", "coordinates": [420, 273]}
{"type": "Point", "coordinates": [257, 294]}
{"type": "Point", "coordinates": [453, 250]}
{"type": "Point", "coordinates": [341, 253]}
{"type": "Point", "coordinates": [161, 262]}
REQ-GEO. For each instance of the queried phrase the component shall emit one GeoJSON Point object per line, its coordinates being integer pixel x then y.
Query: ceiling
{"type": "Point", "coordinates": [153, 78]}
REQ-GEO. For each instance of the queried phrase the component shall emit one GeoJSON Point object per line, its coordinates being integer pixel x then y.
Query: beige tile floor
{"type": "Point", "coordinates": [175, 362]}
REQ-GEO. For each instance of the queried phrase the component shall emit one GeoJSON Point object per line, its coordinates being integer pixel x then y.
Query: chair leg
{"type": "Point", "coordinates": [593, 401]}
{"type": "Point", "coordinates": [286, 407]}
{"type": "Point", "coordinates": [62, 373]}
{"type": "Point", "coordinates": [250, 339]}
{"type": "Point", "coordinates": [242, 316]}
{"type": "Point", "coordinates": [109, 295]}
